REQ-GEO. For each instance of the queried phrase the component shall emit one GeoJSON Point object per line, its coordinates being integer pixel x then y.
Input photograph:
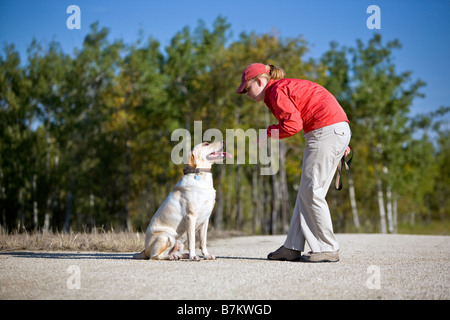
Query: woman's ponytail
{"type": "Point", "coordinates": [276, 73]}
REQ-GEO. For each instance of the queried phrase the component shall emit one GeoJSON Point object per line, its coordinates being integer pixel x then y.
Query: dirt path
{"type": "Point", "coordinates": [372, 266]}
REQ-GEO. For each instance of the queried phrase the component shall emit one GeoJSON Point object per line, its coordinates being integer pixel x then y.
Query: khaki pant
{"type": "Point", "coordinates": [311, 220]}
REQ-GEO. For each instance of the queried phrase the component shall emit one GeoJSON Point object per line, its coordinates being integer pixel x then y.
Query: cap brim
{"type": "Point", "coordinates": [241, 88]}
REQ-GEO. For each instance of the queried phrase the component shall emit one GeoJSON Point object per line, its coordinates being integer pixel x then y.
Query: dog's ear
{"type": "Point", "coordinates": [192, 161]}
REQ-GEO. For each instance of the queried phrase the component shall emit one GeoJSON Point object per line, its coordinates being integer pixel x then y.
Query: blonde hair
{"type": "Point", "coordinates": [276, 73]}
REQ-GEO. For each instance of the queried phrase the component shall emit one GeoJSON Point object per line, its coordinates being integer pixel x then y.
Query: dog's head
{"type": "Point", "coordinates": [205, 154]}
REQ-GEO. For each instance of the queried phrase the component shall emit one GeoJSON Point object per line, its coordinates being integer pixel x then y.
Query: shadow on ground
{"type": "Point", "coordinates": [94, 255]}
{"type": "Point", "coordinates": [67, 255]}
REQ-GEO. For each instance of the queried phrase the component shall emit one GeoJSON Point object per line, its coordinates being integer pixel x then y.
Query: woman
{"type": "Point", "coordinates": [301, 104]}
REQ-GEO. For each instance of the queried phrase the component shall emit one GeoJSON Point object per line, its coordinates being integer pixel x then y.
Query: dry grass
{"type": "Point", "coordinates": [96, 241]}
{"type": "Point", "coordinates": [100, 241]}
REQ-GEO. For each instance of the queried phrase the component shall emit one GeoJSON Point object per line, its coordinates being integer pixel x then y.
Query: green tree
{"type": "Point", "coordinates": [16, 141]}
{"type": "Point", "coordinates": [94, 182]}
{"type": "Point", "coordinates": [140, 123]}
{"type": "Point", "coordinates": [47, 70]}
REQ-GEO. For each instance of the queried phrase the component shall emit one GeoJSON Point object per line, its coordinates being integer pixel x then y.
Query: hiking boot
{"type": "Point", "coordinates": [326, 256]}
{"type": "Point", "coordinates": [284, 254]}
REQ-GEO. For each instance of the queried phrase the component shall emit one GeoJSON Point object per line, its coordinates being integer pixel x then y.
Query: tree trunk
{"type": "Point", "coordinates": [381, 207]}
{"type": "Point", "coordinates": [412, 218]}
{"type": "Point", "coordinates": [395, 212]}
{"type": "Point", "coordinates": [351, 190]}
{"type": "Point", "coordinates": [256, 209]}
{"type": "Point", "coordinates": [47, 173]}
{"type": "Point", "coordinates": [218, 214]}
{"type": "Point", "coordinates": [389, 209]}
{"type": "Point", "coordinates": [35, 204]}
{"type": "Point", "coordinates": [228, 206]}
{"type": "Point", "coordinates": [275, 205]}
{"type": "Point", "coordinates": [21, 216]}
{"type": "Point", "coordinates": [263, 200]}
{"type": "Point", "coordinates": [2, 196]}
{"type": "Point", "coordinates": [239, 211]}
{"type": "Point", "coordinates": [68, 210]}
{"type": "Point", "coordinates": [127, 221]}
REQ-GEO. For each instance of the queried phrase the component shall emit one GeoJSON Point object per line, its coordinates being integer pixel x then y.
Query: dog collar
{"type": "Point", "coordinates": [188, 169]}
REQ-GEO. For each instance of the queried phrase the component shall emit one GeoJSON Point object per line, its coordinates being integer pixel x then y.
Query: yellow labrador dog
{"type": "Point", "coordinates": [186, 209]}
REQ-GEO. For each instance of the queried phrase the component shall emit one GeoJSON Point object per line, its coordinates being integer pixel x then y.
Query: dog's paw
{"type": "Point", "coordinates": [194, 258]}
{"type": "Point", "coordinates": [174, 257]}
{"type": "Point", "coordinates": [210, 257]}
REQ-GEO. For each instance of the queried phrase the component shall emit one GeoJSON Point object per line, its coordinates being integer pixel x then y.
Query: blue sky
{"type": "Point", "coordinates": [422, 27]}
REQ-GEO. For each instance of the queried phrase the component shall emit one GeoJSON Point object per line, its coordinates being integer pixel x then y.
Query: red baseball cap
{"type": "Point", "coordinates": [253, 70]}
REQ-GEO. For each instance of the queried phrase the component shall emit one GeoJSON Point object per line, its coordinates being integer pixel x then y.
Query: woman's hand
{"type": "Point", "coordinates": [347, 151]}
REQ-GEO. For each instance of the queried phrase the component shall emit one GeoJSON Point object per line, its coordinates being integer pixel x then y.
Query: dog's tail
{"type": "Point", "coordinates": [140, 256]}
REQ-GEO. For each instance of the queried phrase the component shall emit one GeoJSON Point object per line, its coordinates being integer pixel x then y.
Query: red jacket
{"type": "Point", "coordinates": [301, 104]}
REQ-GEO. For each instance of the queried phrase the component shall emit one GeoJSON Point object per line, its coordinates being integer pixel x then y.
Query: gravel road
{"type": "Point", "coordinates": [372, 266]}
